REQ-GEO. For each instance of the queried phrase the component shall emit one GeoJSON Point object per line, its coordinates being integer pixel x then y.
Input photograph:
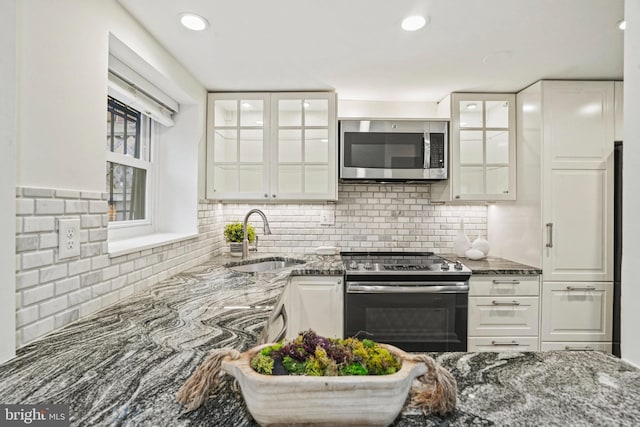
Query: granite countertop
{"type": "Point", "coordinates": [124, 364]}
{"type": "Point", "coordinates": [494, 265]}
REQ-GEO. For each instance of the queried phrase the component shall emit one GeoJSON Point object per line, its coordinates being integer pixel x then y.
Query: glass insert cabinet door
{"type": "Point", "coordinates": [271, 146]}
{"type": "Point", "coordinates": [483, 146]}
{"type": "Point", "coordinates": [237, 150]}
{"type": "Point", "coordinates": [303, 135]}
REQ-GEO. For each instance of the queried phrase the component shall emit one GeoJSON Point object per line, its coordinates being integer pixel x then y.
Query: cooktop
{"type": "Point", "coordinates": [409, 263]}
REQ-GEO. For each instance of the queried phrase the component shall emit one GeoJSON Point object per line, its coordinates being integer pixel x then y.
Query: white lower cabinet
{"type": "Point", "coordinates": [502, 344]}
{"type": "Point", "coordinates": [315, 302]}
{"type": "Point", "coordinates": [503, 316]}
{"type": "Point", "coordinates": [576, 313]}
{"type": "Point", "coordinates": [577, 346]}
{"type": "Point", "coordinates": [503, 313]}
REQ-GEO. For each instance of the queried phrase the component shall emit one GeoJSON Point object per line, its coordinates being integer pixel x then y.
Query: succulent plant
{"type": "Point", "coordinates": [233, 232]}
{"type": "Point", "coordinates": [314, 355]}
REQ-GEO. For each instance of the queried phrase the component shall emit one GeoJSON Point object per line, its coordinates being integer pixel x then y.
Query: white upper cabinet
{"type": "Point", "coordinates": [237, 155]}
{"type": "Point", "coordinates": [579, 124]}
{"type": "Point", "coordinates": [272, 146]}
{"type": "Point", "coordinates": [483, 149]}
{"type": "Point", "coordinates": [303, 136]}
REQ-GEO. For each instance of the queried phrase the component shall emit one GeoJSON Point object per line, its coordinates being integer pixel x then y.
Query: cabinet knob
{"type": "Point", "coordinates": [506, 191]}
{"type": "Point", "coordinates": [274, 196]}
{"type": "Point", "coordinates": [266, 195]}
{"type": "Point", "coordinates": [339, 282]}
{"type": "Point", "coordinates": [457, 196]}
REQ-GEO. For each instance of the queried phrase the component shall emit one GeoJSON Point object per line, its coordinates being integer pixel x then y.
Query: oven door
{"type": "Point", "coordinates": [414, 318]}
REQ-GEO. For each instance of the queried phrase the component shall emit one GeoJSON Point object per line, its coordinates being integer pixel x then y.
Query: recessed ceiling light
{"type": "Point", "coordinates": [193, 22]}
{"type": "Point", "coordinates": [246, 105]}
{"type": "Point", "coordinates": [306, 104]}
{"type": "Point", "coordinates": [413, 23]}
{"type": "Point", "coordinates": [259, 122]}
{"type": "Point", "coordinates": [472, 106]}
{"type": "Point", "coordinates": [622, 24]}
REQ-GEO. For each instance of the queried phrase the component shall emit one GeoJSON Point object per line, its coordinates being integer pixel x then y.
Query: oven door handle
{"type": "Point", "coordinates": [404, 287]}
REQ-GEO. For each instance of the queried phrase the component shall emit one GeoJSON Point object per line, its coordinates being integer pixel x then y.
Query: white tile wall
{"type": "Point", "coordinates": [367, 217]}
{"type": "Point", "coordinates": [51, 293]}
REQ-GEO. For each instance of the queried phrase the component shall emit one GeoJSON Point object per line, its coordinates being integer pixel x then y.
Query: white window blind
{"type": "Point", "coordinates": [134, 90]}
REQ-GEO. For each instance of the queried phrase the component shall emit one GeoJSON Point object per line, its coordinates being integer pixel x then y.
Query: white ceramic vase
{"type": "Point", "coordinates": [481, 244]}
{"type": "Point", "coordinates": [461, 242]}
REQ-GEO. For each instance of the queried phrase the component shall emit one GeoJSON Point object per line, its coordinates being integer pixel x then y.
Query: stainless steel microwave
{"type": "Point", "coordinates": [393, 150]}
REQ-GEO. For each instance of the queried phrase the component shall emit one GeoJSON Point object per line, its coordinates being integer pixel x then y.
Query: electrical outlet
{"type": "Point", "coordinates": [68, 238]}
{"type": "Point", "coordinates": [327, 217]}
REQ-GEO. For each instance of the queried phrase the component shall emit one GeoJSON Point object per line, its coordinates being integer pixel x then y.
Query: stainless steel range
{"type": "Point", "coordinates": [416, 301]}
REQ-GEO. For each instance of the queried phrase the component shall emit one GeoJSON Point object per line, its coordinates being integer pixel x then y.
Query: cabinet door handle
{"type": "Point", "coordinates": [506, 282]}
{"type": "Point", "coordinates": [549, 226]}
{"type": "Point", "coordinates": [497, 343]}
{"type": "Point", "coordinates": [585, 348]}
{"type": "Point", "coordinates": [581, 288]}
{"type": "Point", "coordinates": [505, 302]}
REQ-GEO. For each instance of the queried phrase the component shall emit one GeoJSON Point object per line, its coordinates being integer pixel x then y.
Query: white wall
{"type": "Point", "coordinates": [62, 63]}
{"type": "Point", "coordinates": [386, 109]}
{"type": "Point", "coordinates": [514, 227]}
{"type": "Point", "coordinates": [7, 177]}
{"type": "Point", "coordinates": [630, 317]}
{"type": "Point", "coordinates": [63, 48]}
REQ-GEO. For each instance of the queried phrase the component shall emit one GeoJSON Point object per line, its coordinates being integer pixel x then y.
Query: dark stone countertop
{"type": "Point", "coordinates": [494, 265]}
{"type": "Point", "coordinates": [124, 364]}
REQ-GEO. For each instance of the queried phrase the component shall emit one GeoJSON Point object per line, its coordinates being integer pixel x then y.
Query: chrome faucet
{"type": "Point", "coordinates": [245, 239]}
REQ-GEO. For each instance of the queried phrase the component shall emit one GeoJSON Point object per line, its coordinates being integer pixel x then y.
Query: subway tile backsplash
{"type": "Point", "coordinates": [52, 292]}
{"type": "Point", "coordinates": [367, 217]}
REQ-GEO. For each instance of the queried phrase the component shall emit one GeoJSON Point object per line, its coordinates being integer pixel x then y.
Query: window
{"type": "Point", "coordinates": [129, 167]}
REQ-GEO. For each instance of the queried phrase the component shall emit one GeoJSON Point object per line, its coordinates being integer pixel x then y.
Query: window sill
{"type": "Point", "coordinates": [127, 246]}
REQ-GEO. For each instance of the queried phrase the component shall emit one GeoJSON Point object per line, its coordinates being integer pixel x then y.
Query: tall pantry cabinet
{"type": "Point", "coordinates": [563, 218]}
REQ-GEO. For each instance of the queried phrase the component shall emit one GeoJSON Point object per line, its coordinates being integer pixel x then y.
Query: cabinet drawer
{"type": "Point", "coordinates": [583, 346]}
{"type": "Point", "coordinates": [502, 344]}
{"type": "Point", "coordinates": [503, 316]}
{"type": "Point", "coordinates": [576, 311]}
{"type": "Point", "coordinates": [504, 286]}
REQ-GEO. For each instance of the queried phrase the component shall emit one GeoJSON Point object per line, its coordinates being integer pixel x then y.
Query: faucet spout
{"type": "Point", "coordinates": [245, 239]}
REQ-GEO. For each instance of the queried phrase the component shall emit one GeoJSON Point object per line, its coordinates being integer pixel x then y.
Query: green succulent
{"type": "Point", "coordinates": [233, 232]}
{"type": "Point", "coordinates": [262, 364]}
{"type": "Point", "coordinates": [310, 354]}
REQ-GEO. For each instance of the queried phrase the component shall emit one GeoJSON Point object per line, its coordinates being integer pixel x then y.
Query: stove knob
{"type": "Point", "coordinates": [368, 266]}
{"type": "Point", "coordinates": [444, 266]}
{"type": "Point", "coordinates": [458, 265]}
{"type": "Point", "coordinates": [353, 265]}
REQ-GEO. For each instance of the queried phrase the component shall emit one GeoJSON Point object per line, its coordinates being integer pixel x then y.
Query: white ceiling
{"type": "Point", "coordinates": [358, 48]}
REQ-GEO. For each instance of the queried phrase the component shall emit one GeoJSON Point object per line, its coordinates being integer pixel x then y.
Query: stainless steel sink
{"type": "Point", "coordinates": [264, 265]}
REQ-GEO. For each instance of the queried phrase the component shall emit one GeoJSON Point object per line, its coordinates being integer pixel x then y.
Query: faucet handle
{"type": "Point", "coordinates": [255, 246]}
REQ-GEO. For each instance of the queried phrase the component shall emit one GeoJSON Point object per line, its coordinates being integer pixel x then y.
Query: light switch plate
{"type": "Point", "coordinates": [327, 217]}
{"type": "Point", "coordinates": [68, 238]}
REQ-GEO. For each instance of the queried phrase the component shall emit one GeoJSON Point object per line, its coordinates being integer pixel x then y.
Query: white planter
{"type": "Point", "coordinates": [344, 400]}
{"type": "Point", "coordinates": [235, 248]}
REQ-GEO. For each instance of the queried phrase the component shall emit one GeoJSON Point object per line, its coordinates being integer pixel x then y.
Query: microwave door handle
{"type": "Point", "coordinates": [427, 151]}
